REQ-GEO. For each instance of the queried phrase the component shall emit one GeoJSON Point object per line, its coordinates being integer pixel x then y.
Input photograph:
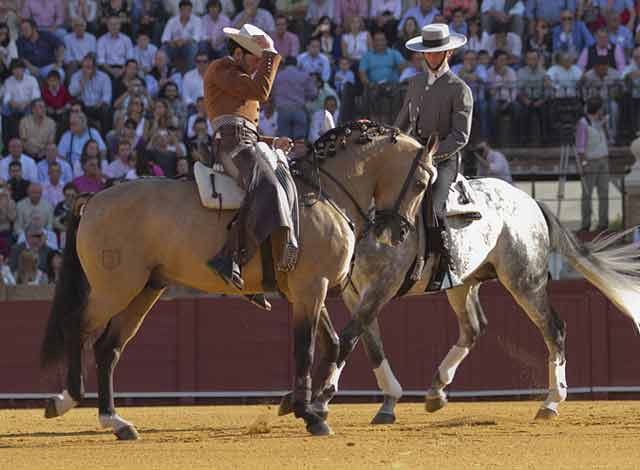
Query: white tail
{"type": "Point", "coordinates": [612, 267]}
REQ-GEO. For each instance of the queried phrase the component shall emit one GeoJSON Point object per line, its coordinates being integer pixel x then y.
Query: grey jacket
{"type": "Point", "coordinates": [445, 107]}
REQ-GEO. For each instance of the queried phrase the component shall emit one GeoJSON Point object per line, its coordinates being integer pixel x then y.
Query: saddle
{"type": "Point", "coordinates": [220, 191]}
{"type": "Point", "coordinates": [461, 204]}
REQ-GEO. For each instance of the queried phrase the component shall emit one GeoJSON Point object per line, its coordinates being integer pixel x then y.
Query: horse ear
{"type": "Point", "coordinates": [432, 143]}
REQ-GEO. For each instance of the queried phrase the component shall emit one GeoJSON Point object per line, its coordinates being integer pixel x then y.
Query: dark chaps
{"type": "Point", "coordinates": [262, 211]}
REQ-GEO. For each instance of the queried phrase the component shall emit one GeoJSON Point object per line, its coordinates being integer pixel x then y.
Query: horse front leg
{"type": "Point", "coordinates": [306, 314]}
{"type": "Point", "coordinates": [471, 323]}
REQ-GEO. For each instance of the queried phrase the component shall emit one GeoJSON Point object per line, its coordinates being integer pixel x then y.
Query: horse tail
{"type": "Point", "coordinates": [612, 267]}
{"type": "Point", "coordinates": [63, 333]}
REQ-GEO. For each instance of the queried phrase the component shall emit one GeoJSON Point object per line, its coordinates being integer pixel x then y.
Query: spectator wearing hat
{"type": "Point", "coordinates": [93, 88]}
{"type": "Point", "coordinates": [213, 39]}
{"type": "Point", "coordinates": [256, 16]}
{"type": "Point", "coordinates": [19, 91]}
{"type": "Point", "coordinates": [41, 51]}
{"type": "Point", "coordinates": [602, 48]}
{"type": "Point", "coordinates": [27, 164]}
{"type": "Point", "coordinates": [181, 36]}
{"type": "Point", "coordinates": [114, 48]}
{"type": "Point", "coordinates": [16, 183]}
{"type": "Point", "coordinates": [48, 15]}
{"type": "Point", "coordinates": [52, 157]}
{"type": "Point", "coordinates": [77, 45]}
{"type": "Point", "coordinates": [37, 130]}
{"type": "Point", "coordinates": [36, 243]}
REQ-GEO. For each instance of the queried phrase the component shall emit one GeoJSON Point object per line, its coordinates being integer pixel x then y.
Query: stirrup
{"type": "Point", "coordinates": [260, 301]}
{"type": "Point", "coordinates": [228, 270]}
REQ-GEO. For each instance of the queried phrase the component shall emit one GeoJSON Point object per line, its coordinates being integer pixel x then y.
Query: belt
{"type": "Point", "coordinates": [232, 120]}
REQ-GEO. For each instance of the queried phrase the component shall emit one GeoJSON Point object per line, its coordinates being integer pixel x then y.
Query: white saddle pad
{"type": "Point", "coordinates": [455, 206]}
{"type": "Point", "coordinates": [228, 194]}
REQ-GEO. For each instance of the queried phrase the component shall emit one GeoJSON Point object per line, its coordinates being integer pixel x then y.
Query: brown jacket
{"type": "Point", "coordinates": [230, 90]}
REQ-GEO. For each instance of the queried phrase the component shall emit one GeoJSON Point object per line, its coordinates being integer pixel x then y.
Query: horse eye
{"type": "Point", "coordinates": [420, 185]}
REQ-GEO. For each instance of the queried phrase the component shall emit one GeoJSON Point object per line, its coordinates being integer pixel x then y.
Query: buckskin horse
{"type": "Point", "coordinates": [128, 242]}
{"type": "Point", "coordinates": [511, 243]}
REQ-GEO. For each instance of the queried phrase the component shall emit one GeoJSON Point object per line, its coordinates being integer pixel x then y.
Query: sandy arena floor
{"type": "Point", "coordinates": [588, 435]}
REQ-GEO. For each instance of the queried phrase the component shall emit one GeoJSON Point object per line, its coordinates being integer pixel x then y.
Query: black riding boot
{"type": "Point", "coordinates": [228, 269]}
{"type": "Point", "coordinates": [445, 277]}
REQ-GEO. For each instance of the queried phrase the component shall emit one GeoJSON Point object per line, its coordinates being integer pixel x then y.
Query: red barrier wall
{"type": "Point", "coordinates": [205, 344]}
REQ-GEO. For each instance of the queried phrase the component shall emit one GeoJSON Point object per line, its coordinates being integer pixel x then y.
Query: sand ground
{"type": "Point", "coordinates": [587, 435]}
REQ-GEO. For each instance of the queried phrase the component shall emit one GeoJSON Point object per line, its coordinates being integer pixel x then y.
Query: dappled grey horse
{"type": "Point", "coordinates": [512, 243]}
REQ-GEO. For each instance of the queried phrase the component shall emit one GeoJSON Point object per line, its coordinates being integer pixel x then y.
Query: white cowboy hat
{"type": "Point", "coordinates": [244, 37]}
{"type": "Point", "coordinates": [436, 38]}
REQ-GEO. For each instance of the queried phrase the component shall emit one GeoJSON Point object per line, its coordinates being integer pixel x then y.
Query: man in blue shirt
{"type": "Point", "coordinates": [571, 36]}
{"type": "Point", "coordinates": [93, 88]}
{"type": "Point", "coordinates": [381, 65]}
{"type": "Point", "coordinates": [40, 50]}
{"type": "Point", "coordinates": [313, 61]}
{"type": "Point", "coordinates": [548, 11]}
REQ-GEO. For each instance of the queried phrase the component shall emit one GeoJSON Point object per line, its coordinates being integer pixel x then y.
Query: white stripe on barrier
{"type": "Point", "coordinates": [344, 393]}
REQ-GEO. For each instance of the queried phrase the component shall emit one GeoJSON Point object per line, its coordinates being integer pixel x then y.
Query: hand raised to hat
{"type": "Point", "coordinates": [265, 43]}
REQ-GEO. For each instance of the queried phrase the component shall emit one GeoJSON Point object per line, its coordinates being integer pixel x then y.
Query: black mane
{"type": "Point", "coordinates": [335, 139]}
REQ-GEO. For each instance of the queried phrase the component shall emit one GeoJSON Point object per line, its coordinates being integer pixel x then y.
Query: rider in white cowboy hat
{"type": "Point", "coordinates": [234, 86]}
{"type": "Point", "coordinates": [441, 102]}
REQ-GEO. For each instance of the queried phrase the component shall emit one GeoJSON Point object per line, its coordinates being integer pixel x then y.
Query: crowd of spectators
{"type": "Point", "coordinates": [95, 91]}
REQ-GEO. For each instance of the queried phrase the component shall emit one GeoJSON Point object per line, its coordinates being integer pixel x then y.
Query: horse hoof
{"type": "Point", "coordinates": [286, 405]}
{"type": "Point", "coordinates": [127, 433]}
{"type": "Point", "coordinates": [384, 418]}
{"type": "Point", "coordinates": [434, 404]}
{"type": "Point", "coordinates": [50, 410]}
{"type": "Point", "coordinates": [320, 428]}
{"type": "Point", "coordinates": [546, 414]}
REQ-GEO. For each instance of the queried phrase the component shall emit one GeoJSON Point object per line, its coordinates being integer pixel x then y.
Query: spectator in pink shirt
{"type": "Point", "coordinates": [286, 43]}
{"type": "Point", "coordinates": [213, 38]}
{"type": "Point", "coordinates": [345, 9]}
{"type": "Point", "coordinates": [48, 15]}
{"type": "Point", "coordinates": [92, 181]}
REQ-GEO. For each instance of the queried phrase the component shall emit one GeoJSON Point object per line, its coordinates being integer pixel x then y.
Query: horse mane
{"type": "Point", "coordinates": [359, 132]}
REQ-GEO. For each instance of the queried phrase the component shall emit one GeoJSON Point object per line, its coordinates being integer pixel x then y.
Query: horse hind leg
{"type": "Point", "coordinates": [472, 322]}
{"type": "Point", "coordinates": [535, 302]}
{"type": "Point", "coordinates": [108, 349]}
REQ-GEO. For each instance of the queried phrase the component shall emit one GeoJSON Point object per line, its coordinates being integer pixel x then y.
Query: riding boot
{"type": "Point", "coordinates": [228, 270]}
{"type": "Point", "coordinates": [260, 301]}
{"type": "Point", "coordinates": [445, 277]}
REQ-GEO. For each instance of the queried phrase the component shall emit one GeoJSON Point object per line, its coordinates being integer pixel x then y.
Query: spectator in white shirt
{"type": "Point", "coordinates": [268, 124]}
{"type": "Point", "coordinates": [563, 77]}
{"type": "Point", "coordinates": [52, 187]}
{"type": "Point", "coordinates": [51, 157]}
{"type": "Point", "coordinates": [34, 202]}
{"type": "Point", "coordinates": [201, 112]}
{"type": "Point", "coordinates": [28, 165]}
{"type": "Point", "coordinates": [144, 52]}
{"type": "Point", "coordinates": [213, 38]}
{"type": "Point", "coordinates": [324, 119]}
{"type": "Point", "coordinates": [193, 82]}
{"type": "Point", "coordinates": [504, 40]}
{"type": "Point", "coordinates": [172, 7]}
{"type": "Point", "coordinates": [114, 48]}
{"type": "Point", "coordinates": [120, 166]}
{"type": "Point", "coordinates": [502, 83]}
{"type": "Point", "coordinates": [19, 91]}
{"type": "Point", "coordinates": [77, 45]}
{"type": "Point", "coordinates": [181, 36]}
{"type": "Point", "coordinates": [256, 16]}
{"type": "Point", "coordinates": [492, 164]}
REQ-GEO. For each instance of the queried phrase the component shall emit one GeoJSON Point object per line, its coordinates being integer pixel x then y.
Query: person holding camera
{"type": "Point", "coordinates": [592, 156]}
